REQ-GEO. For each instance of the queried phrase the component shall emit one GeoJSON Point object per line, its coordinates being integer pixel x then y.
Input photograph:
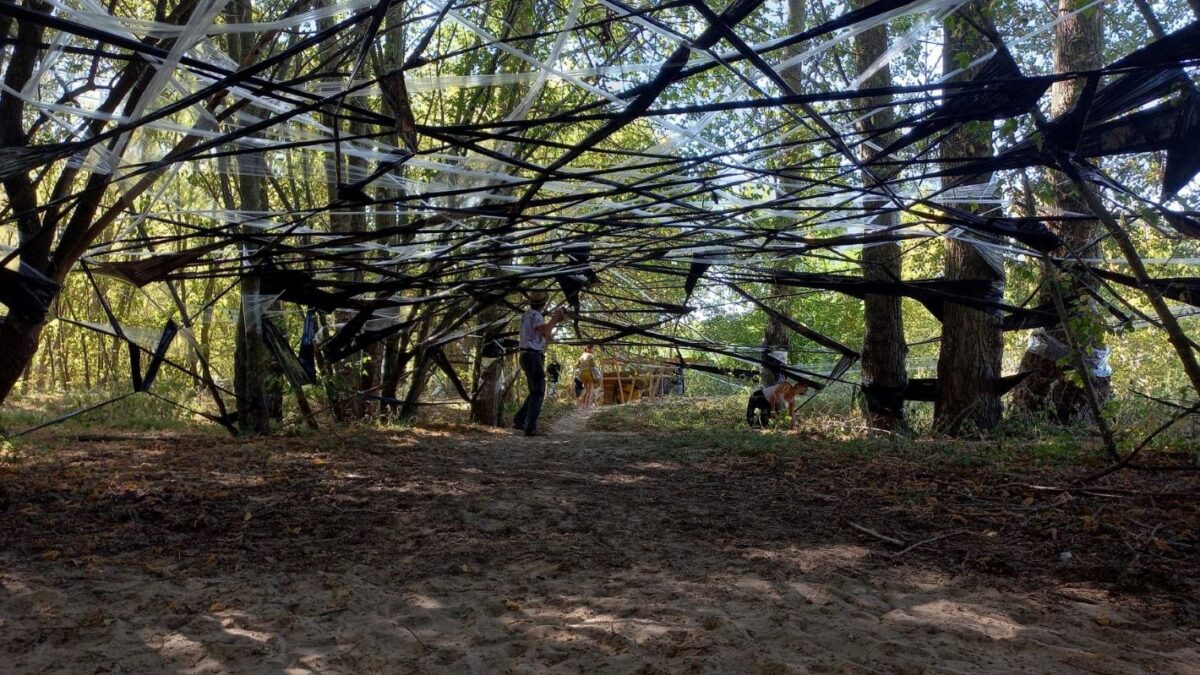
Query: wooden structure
{"type": "Point", "coordinates": [624, 380]}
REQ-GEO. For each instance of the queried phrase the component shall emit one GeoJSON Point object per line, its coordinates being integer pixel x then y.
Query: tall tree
{"type": "Point", "coordinates": [488, 391]}
{"type": "Point", "coordinates": [884, 372]}
{"type": "Point", "coordinates": [972, 347]}
{"type": "Point", "coordinates": [390, 58]}
{"type": "Point", "coordinates": [1078, 46]}
{"type": "Point", "coordinates": [62, 207]}
{"type": "Point", "coordinates": [253, 366]}
{"type": "Point", "coordinates": [19, 333]}
{"type": "Point", "coordinates": [59, 205]}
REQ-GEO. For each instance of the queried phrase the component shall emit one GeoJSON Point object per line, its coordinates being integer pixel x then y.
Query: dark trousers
{"type": "Point", "coordinates": [758, 410]}
{"type": "Point", "coordinates": [533, 365]}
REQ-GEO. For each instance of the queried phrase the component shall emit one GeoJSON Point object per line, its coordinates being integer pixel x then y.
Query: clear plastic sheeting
{"type": "Point", "coordinates": [992, 252]}
{"type": "Point", "coordinates": [144, 337]}
{"type": "Point", "coordinates": [1049, 347]}
{"type": "Point", "coordinates": [447, 157]}
{"type": "Point", "coordinates": [1098, 363]}
{"type": "Point", "coordinates": [255, 307]}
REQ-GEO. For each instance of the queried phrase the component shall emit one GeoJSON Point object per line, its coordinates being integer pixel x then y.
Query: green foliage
{"type": "Point", "coordinates": [139, 412]}
{"type": "Point", "coordinates": [11, 454]}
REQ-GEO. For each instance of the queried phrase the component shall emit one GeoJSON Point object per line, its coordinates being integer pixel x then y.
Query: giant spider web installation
{"type": "Point", "coordinates": [637, 160]}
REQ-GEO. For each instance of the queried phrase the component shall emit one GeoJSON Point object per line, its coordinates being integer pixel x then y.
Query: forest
{"type": "Point", "coordinates": [852, 335]}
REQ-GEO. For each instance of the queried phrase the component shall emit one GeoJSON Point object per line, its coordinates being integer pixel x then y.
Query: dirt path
{"type": "Point", "coordinates": [574, 422]}
{"type": "Point", "coordinates": [491, 553]}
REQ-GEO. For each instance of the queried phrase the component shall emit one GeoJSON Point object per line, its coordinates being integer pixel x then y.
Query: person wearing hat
{"type": "Point", "coordinates": [535, 333]}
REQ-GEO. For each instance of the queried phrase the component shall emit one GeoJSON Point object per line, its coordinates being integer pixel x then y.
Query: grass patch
{"type": "Point", "coordinates": [138, 412]}
{"type": "Point", "coordinates": [691, 429]}
{"type": "Point", "coordinates": [671, 414]}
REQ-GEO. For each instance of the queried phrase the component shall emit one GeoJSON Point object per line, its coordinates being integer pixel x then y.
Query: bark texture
{"type": "Point", "coordinates": [884, 348]}
{"type": "Point", "coordinates": [19, 336]}
{"type": "Point", "coordinates": [972, 347]}
{"type": "Point", "coordinates": [1078, 46]}
{"type": "Point", "coordinates": [487, 399]}
{"type": "Point", "coordinates": [775, 337]}
{"type": "Point", "coordinates": [19, 339]}
{"type": "Point", "coordinates": [253, 364]}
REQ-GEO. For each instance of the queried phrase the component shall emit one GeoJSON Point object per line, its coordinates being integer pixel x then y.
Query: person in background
{"type": "Point", "coordinates": [764, 400]}
{"type": "Point", "coordinates": [586, 367]}
{"type": "Point", "coordinates": [535, 333]}
{"type": "Point", "coordinates": [553, 371]}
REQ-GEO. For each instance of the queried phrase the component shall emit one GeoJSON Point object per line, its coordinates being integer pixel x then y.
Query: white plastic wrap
{"type": "Point", "coordinates": [1049, 347]}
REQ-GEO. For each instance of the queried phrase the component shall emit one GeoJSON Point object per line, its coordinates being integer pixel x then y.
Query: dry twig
{"type": "Point", "coordinates": [873, 533]}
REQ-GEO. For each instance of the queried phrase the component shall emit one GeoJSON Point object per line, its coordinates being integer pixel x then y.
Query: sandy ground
{"type": "Point", "coordinates": [492, 553]}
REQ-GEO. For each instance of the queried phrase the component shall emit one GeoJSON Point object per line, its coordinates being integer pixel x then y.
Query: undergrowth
{"type": "Point", "coordinates": [691, 428]}
{"type": "Point", "coordinates": [686, 427]}
{"type": "Point", "coordinates": [135, 412]}
{"type": "Point", "coordinates": [143, 412]}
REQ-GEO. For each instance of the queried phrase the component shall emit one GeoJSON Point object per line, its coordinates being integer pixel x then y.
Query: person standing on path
{"type": "Point", "coordinates": [535, 333]}
{"type": "Point", "coordinates": [587, 370]}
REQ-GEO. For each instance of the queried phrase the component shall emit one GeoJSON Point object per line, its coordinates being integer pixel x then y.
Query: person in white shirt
{"type": "Point", "coordinates": [764, 400]}
{"type": "Point", "coordinates": [535, 333]}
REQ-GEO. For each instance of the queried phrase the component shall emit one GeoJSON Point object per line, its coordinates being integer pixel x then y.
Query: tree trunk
{"type": "Point", "coordinates": [884, 348]}
{"type": "Point", "coordinates": [344, 375]}
{"type": "Point", "coordinates": [361, 369]}
{"type": "Point", "coordinates": [487, 400]}
{"type": "Point", "coordinates": [487, 397]}
{"type": "Point", "coordinates": [44, 246]}
{"type": "Point", "coordinates": [487, 406]}
{"type": "Point", "coordinates": [18, 336]}
{"type": "Point", "coordinates": [253, 363]}
{"type": "Point", "coordinates": [421, 371]}
{"type": "Point", "coordinates": [1078, 46]}
{"type": "Point", "coordinates": [775, 337]}
{"type": "Point", "coordinates": [20, 340]}
{"type": "Point", "coordinates": [394, 366]}
{"type": "Point", "coordinates": [972, 349]}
